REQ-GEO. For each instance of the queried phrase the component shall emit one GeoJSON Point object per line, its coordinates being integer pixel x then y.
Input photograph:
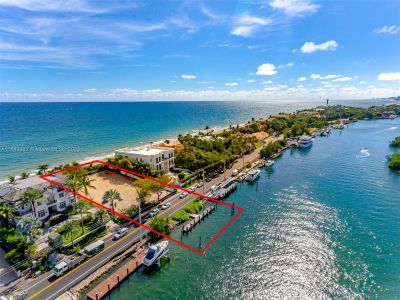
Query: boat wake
{"type": "Point", "coordinates": [393, 128]}
{"type": "Point", "coordinates": [364, 153]}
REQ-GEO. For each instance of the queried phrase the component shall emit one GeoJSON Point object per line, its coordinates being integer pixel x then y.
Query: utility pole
{"type": "Point", "coordinates": [204, 182]}
{"type": "Point", "coordinates": [224, 169]}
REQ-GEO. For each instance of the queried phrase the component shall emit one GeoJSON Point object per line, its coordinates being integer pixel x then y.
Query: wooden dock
{"type": "Point", "coordinates": [197, 218]}
{"type": "Point", "coordinates": [111, 282]}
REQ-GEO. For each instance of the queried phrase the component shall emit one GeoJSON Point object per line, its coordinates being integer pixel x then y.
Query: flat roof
{"type": "Point", "coordinates": [145, 151]}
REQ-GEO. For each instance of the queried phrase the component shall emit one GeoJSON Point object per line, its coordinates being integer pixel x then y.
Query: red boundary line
{"type": "Point", "coordinates": [201, 251]}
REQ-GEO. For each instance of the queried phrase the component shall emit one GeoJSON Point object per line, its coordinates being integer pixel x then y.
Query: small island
{"type": "Point", "coordinates": [396, 142]}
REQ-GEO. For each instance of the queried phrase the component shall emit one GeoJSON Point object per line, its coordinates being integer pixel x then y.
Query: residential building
{"type": "Point", "coordinates": [161, 158]}
{"type": "Point", "coordinates": [54, 199]}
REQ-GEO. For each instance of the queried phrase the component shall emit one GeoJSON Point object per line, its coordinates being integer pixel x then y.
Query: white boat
{"type": "Point", "coordinates": [155, 252]}
{"type": "Point", "coordinates": [305, 141]}
{"type": "Point", "coordinates": [392, 117]}
{"type": "Point", "coordinates": [253, 174]}
{"type": "Point", "coordinates": [269, 162]}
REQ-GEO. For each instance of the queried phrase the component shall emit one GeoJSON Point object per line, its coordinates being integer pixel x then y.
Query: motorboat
{"type": "Point", "coordinates": [154, 253]}
{"type": "Point", "coordinates": [269, 163]}
{"type": "Point", "coordinates": [305, 141]}
{"type": "Point", "coordinates": [253, 174]}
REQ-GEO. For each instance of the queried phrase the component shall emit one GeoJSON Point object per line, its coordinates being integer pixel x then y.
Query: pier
{"type": "Point", "coordinates": [197, 218]}
{"type": "Point", "coordinates": [112, 281]}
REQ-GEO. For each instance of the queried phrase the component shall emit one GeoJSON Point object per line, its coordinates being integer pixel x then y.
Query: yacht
{"type": "Point", "coordinates": [269, 163]}
{"type": "Point", "coordinates": [392, 117]}
{"type": "Point", "coordinates": [253, 174]}
{"type": "Point", "coordinates": [305, 141]}
{"type": "Point", "coordinates": [154, 253]}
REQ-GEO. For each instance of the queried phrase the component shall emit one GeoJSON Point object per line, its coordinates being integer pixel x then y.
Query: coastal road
{"type": "Point", "coordinates": [48, 287]}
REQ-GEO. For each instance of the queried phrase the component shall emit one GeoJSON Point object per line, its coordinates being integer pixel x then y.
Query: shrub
{"type": "Point", "coordinates": [58, 219]}
{"type": "Point", "coordinates": [395, 142]}
{"type": "Point", "coordinates": [181, 216]}
{"type": "Point", "coordinates": [193, 207]}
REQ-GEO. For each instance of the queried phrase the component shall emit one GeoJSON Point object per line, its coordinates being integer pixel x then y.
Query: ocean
{"type": "Point", "coordinates": [52, 133]}
{"type": "Point", "coordinates": [322, 223]}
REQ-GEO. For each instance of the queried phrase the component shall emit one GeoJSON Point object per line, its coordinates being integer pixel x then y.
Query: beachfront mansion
{"type": "Point", "coordinates": [54, 199]}
{"type": "Point", "coordinates": [160, 158]}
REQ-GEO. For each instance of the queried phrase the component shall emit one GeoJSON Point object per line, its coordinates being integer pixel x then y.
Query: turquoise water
{"type": "Point", "coordinates": [323, 223]}
{"type": "Point", "coordinates": [36, 133]}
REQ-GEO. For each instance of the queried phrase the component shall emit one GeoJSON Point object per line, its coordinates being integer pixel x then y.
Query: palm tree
{"type": "Point", "coordinates": [100, 216]}
{"type": "Point", "coordinates": [6, 211]}
{"type": "Point", "coordinates": [112, 195]}
{"type": "Point", "coordinates": [30, 196]}
{"type": "Point", "coordinates": [24, 175]}
{"type": "Point", "coordinates": [29, 225]}
{"type": "Point", "coordinates": [69, 231]}
{"type": "Point", "coordinates": [86, 183]}
{"type": "Point", "coordinates": [43, 168]}
{"type": "Point", "coordinates": [74, 184]}
{"type": "Point", "coordinates": [11, 179]}
{"type": "Point", "coordinates": [143, 189]}
{"type": "Point", "coordinates": [82, 207]}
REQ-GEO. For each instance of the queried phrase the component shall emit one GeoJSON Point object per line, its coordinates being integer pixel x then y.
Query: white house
{"type": "Point", "coordinates": [161, 158]}
{"type": "Point", "coordinates": [54, 199]}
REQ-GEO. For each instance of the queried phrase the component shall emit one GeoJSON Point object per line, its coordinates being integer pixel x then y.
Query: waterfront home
{"type": "Point", "coordinates": [53, 200]}
{"type": "Point", "coordinates": [161, 158]}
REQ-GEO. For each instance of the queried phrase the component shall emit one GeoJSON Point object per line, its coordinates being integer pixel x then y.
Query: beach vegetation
{"type": "Point", "coordinates": [24, 175]}
{"type": "Point", "coordinates": [11, 179]}
{"type": "Point", "coordinates": [43, 169]}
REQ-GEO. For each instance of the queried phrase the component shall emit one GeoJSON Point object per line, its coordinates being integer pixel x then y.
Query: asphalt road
{"type": "Point", "coordinates": [48, 287]}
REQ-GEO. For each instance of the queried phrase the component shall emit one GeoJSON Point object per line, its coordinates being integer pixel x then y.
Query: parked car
{"type": "Point", "coordinates": [230, 165]}
{"type": "Point", "coordinates": [200, 184]}
{"type": "Point", "coordinates": [165, 205]}
{"type": "Point", "coordinates": [120, 233]}
{"type": "Point", "coordinates": [183, 195]}
{"type": "Point", "coordinates": [154, 212]}
{"type": "Point", "coordinates": [221, 171]}
{"type": "Point", "coordinates": [215, 175]}
{"type": "Point", "coordinates": [208, 179]}
{"type": "Point", "coordinates": [192, 188]}
{"type": "Point", "coordinates": [235, 172]}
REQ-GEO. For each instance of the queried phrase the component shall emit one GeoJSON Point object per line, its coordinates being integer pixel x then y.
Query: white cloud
{"type": "Point", "coordinates": [246, 25]}
{"type": "Point", "coordinates": [267, 82]}
{"type": "Point", "coordinates": [243, 31]}
{"type": "Point", "coordinates": [294, 7]}
{"type": "Point", "coordinates": [187, 76]}
{"type": "Point", "coordinates": [394, 76]}
{"type": "Point", "coordinates": [345, 78]}
{"type": "Point", "coordinates": [310, 47]}
{"type": "Point", "coordinates": [315, 76]}
{"type": "Point", "coordinates": [266, 69]}
{"type": "Point", "coordinates": [302, 78]}
{"type": "Point", "coordinates": [250, 80]}
{"type": "Point", "coordinates": [91, 90]}
{"type": "Point", "coordinates": [231, 84]}
{"type": "Point", "coordinates": [331, 76]}
{"type": "Point", "coordinates": [288, 65]}
{"type": "Point", "coordinates": [388, 29]}
{"type": "Point", "coordinates": [270, 93]}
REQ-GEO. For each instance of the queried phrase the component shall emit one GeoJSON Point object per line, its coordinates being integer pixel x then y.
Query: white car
{"type": "Point", "coordinates": [192, 188]}
{"type": "Point", "coordinates": [183, 195]}
{"type": "Point", "coordinates": [200, 184]}
{"type": "Point", "coordinates": [120, 233]}
{"type": "Point", "coordinates": [154, 212]}
{"type": "Point", "coordinates": [165, 205]}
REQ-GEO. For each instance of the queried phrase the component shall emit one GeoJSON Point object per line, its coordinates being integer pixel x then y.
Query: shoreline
{"type": "Point", "coordinates": [103, 156]}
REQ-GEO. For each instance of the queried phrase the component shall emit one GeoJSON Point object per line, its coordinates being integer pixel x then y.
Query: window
{"type": "Point", "coordinates": [61, 194]}
{"type": "Point", "coordinates": [41, 213]}
{"type": "Point", "coordinates": [63, 205]}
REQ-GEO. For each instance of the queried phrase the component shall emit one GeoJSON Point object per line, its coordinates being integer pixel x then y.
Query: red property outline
{"type": "Point", "coordinates": [201, 251]}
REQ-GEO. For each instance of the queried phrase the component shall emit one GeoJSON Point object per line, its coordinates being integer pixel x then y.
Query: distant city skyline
{"type": "Point", "coordinates": [198, 50]}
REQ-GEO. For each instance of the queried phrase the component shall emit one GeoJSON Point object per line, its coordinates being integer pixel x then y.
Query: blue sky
{"type": "Point", "coordinates": [198, 50]}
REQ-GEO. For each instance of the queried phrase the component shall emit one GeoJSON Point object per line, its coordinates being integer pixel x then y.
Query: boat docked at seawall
{"type": "Point", "coordinates": [253, 174]}
{"type": "Point", "coordinates": [154, 253]}
{"type": "Point", "coordinates": [305, 141]}
{"type": "Point", "coordinates": [269, 162]}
